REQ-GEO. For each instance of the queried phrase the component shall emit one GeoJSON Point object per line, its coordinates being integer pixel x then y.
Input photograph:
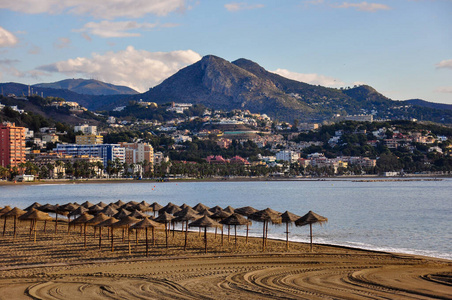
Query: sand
{"type": "Point", "coordinates": [58, 266]}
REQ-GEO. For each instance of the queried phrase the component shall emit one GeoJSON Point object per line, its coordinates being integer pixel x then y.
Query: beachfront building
{"type": "Point", "coordinates": [90, 139]}
{"type": "Point", "coordinates": [287, 155]}
{"type": "Point", "coordinates": [12, 145]}
{"type": "Point", "coordinates": [139, 153]}
{"type": "Point", "coordinates": [107, 152]}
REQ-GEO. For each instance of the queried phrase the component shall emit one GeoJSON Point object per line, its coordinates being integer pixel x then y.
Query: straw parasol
{"type": "Point", "coordinates": [122, 213]}
{"type": "Point", "coordinates": [83, 219]}
{"type": "Point", "coordinates": [106, 223]}
{"type": "Point", "coordinates": [99, 218]}
{"type": "Point", "coordinates": [265, 216]}
{"type": "Point", "coordinates": [165, 218]}
{"type": "Point", "coordinates": [288, 218]}
{"type": "Point", "coordinates": [200, 207]}
{"type": "Point", "coordinates": [2, 212]}
{"type": "Point", "coordinates": [34, 216]}
{"type": "Point", "coordinates": [236, 220]}
{"type": "Point", "coordinates": [219, 216]}
{"type": "Point", "coordinates": [34, 205]}
{"type": "Point", "coordinates": [138, 214]}
{"type": "Point", "coordinates": [155, 207]}
{"type": "Point", "coordinates": [14, 213]}
{"type": "Point", "coordinates": [229, 209]}
{"type": "Point", "coordinates": [204, 222]}
{"type": "Point", "coordinates": [95, 209]}
{"type": "Point", "coordinates": [124, 223]}
{"type": "Point", "coordinates": [310, 218]}
{"type": "Point", "coordinates": [113, 205]}
{"type": "Point", "coordinates": [102, 204]}
{"type": "Point", "coordinates": [119, 203]}
{"type": "Point", "coordinates": [170, 208]}
{"type": "Point", "coordinates": [188, 215]}
{"type": "Point", "coordinates": [109, 211]}
{"type": "Point", "coordinates": [215, 209]}
{"type": "Point", "coordinates": [142, 208]}
{"type": "Point", "coordinates": [246, 210]}
{"type": "Point", "coordinates": [184, 206]}
{"type": "Point", "coordinates": [147, 223]}
{"type": "Point", "coordinates": [87, 204]}
{"type": "Point", "coordinates": [77, 212]}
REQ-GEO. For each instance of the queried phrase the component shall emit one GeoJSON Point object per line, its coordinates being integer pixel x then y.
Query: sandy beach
{"type": "Point", "coordinates": [58, 266]}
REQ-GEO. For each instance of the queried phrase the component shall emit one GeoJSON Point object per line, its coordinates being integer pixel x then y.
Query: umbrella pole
{"type": "Point", "coordinates": [222, 241]}
{"type": "Point", "coordinates": [4, 226]}
{"type": "Point", "coordinates": [68, 224]}
{"type": "Point", "coordinates": [310, 229]}
{"type": "Point", "coordinates": [174, 228]}
{"type": "Point", "coordinates": [216, 233]}
{"type": "Point", "coordinates": [112, 246]}
{"type": "Point", "coordinates": [205, 239]}
{"type": "Point", "coordinates": [45, 226]}
{"type": "Point", "coordinates": [136, 237]}
{"type": "Point", "coordinates": [94, 231]}
{"type": "Point", "coordinates": [166, 234]}
{"type": "Point", "coordinates": [247, 233]}
{"type": "Point", "coordinates": [128, 239]}
{"type": "Point", "coordinates": [266, 234]}
{"type": "Point", "coordinates": [153, 238]}
{"type": "Point", "coordinates": [31, 229]}
{"type": "Point", "coordinates": [56, 222]}
{"type": "Point", "coordinates": [263, 237]}
{"type": "Point", "coordinates": [100, 237]}
{"type": "Point", "coordinates": [287, 236]}
{"type": "Point", "coordinates": [84, 233]}
{"type": "Point", "coordinates": [229, 233]}
{"type": "Point", "coordinates": [186, 236]}
{"type": "Point", "coordinates": [15, 221]}
{"type": "Point", "coordinates": [36, 229]}
{"type": "Point", "coordinates": [123, 235]}
{"type": "Point", "coordinates": [147, 242]}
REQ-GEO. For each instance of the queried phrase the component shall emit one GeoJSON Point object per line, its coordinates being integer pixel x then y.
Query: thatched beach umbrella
{"type": "Point", "coordinates": [215, 209]}
{"type": "Point", "coordinates": [120, 203]}
{"type": "Point", "coordinates": [14, 213]}
{"type": "Point", "coordinates": [34, 216]}
{"type": "Point", "coordinates": [170, 208]}
{"type": "Point", "coordinates": [265, 216]}
{"type": "Point", "coordinates": [142, 208]}
{"type": "Point", "coordinates": [102, 204]}
{"type": "Point", "coordinates": [87, 204]}
{"type": "Point", "coordinates": [204, 222]}
{"type": "Point", "coordinates": [34, 205]}
{"type": "Point", "coordinates": [309, 219]}
{"type": "Point", "coordinates": [236, 220]}
{"type": "Point", "coordinates": [218, 216]}
{"type": "Point", "coordinates": [288, 218]}
{"type": "Point", "coordinates": [125, 223]}
{"type": "Point", "coordinates": [109, 211]}
{"type": "Point", "coordinates": [200, 207]}
{"type": "Point", "coordinates": [155, 207]}
{"type": "Point", "coordinates": [147, 223]}
{"type": "Point", "coordinates": [83, 219]}
{"type": "Point", "coordinates": [229, 209]}
{"type": "Point", "coordinates": [246, 210]}
{"type": "Point", "coordinates": [188, 215]}
{"type": "Point", "coordinates": [106, 223]}
{"type": "Point", "coordinates": [95, 209]}
{"type": "Point", "coordinates": [76, 213]}
{"type": "Point", "coordinates": [122, 213]}
{"type": "Point", "coordinates": [99, 218]}
{"type": "Point", "coordinates": [166, 219]}
{"type": "Point", "coordinates": [138, 214]}
{"type": "Point", "coordinates": [2, 212]}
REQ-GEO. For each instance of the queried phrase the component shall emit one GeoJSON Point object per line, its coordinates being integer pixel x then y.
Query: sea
{"type": "Point", "coordinates": [407, 216]}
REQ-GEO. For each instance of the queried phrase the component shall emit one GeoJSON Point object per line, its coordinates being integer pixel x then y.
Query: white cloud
{"type": "Point", "coordinates": [62, 42]}
{"type": "Point", "coordinates": [364, 6]}
{"type": "Point", "coordinates": [108, 29]}
{"type": "Point", "coordinates": [138, 69]}
{"type": "Point", "coordinates": [315, 79]}
{"type": "Point", "coordinates": [7, 39]}
{"type": "Point", "coordinates": [7, 66]}
{"type": "Point", "coordinates": [100, 9]}
{"type": "Point", "coordinates": [444, 89]}
{"type": "Point", "coordinates": [235, 6]}
{"type": "Point", "coordinates": [445, 64]}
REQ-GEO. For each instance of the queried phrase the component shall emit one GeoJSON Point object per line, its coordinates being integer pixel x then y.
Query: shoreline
{"type": "Point", "coordinates": [369, 178]}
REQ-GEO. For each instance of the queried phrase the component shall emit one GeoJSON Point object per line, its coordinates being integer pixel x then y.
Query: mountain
{"type": "Point", "coordinates": [428, 104]}
{"type": "Point", "coordinates": [243, 84]}
{"type": "Point", "coordinates": [88, 87]}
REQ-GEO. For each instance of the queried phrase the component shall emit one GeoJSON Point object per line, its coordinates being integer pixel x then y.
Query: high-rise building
{"type": "Point", "coordinates": [107, 152]}
{"type": "Point", "coordinates": [138, 153]}
{"type": "Point", "coordinates": [12, 144]}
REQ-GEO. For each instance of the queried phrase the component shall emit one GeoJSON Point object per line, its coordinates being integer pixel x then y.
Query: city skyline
{"type": "Point", "coordinates": [401, 48]}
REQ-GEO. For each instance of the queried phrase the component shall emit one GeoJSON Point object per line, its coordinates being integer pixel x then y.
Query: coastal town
{"type": "Point", "coordinates": [193, 142]}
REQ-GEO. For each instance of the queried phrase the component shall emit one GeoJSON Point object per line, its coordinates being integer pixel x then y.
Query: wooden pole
{"type": "Point", "coordinates": [186, 236]}
{"type": "Point", "coordinates": [287, 236]}
{"type": "Point", "coordinates": [153, 238]}
{"type": "Point", "coordinates": [100, 237]}
{"type": "Point", "coordinates": [222, 241]}
{"type": "Point", "coordinates": [263, 237]}
{"type": "Point", "coordinates": [112, 246]}
{"type": "Point", "coordinates": [36, 229]}
{"type": "Point", "coordinates": [166, 234]}
{"type": "Point", "coordinates": [247, 228]}
{"type": "Point", "coordinates": [147, 242]}
{"type": "Point", "coordinates": [235, 232]}
{"type": "Point", "coordinates": [56, 222]}
{"type": "Point", "coordinates": [4, 226]}
{"type": "Point", "coordinates": [205, 239]}
{"type": "Point", "coordinates": [15, 220]}
{"type": "Point", "coordinates": [84, 230]}
{"type": "Point", "coordinates": [310, 229]}
{"type": "Point", "coordinates": [229, 233]}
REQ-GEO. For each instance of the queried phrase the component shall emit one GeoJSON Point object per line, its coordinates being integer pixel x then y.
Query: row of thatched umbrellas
{"type": "Point", "coordinates": [134, 215]}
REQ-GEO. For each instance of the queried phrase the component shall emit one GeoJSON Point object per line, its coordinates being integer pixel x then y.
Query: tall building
{"type": "Point", "coordinates": [138, 152]}
{"type": "Point", "coordinates": [12, 144]}
{"type": "Point", "coordinates": [90, 139]}
{"type": "Point", "coordinates": [86, 129]}
{"type": "Point", "coordinates": [107, 152]}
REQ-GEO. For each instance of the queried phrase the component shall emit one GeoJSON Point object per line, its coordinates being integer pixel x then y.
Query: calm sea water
{"type": "Point", "coordinates": [409, 217]}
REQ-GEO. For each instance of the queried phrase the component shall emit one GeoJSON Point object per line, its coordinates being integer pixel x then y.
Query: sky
{"type": "Point", "coordinates": [402, 48]}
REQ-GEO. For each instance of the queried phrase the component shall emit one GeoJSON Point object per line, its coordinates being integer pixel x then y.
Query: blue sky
{"type": "Point", "coordinates": [402, 48]}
